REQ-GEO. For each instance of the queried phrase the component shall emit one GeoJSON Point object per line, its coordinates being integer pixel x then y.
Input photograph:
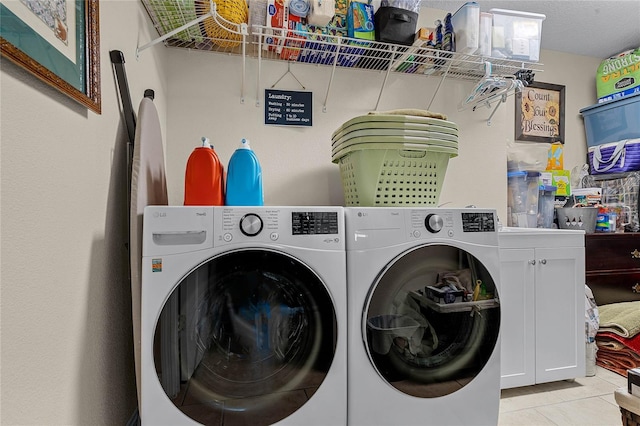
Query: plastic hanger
{"type": "Point", "coordinates": [489, 89]}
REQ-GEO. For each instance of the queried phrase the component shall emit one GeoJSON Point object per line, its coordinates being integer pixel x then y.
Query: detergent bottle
{"type": "Point", "coordinates": [244, 178]}
{"type": "Point", "coordinates": [203, 180]}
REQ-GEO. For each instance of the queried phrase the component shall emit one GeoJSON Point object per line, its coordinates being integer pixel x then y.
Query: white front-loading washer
{"type": "Point", "coordinates": [423, 315]}
{"type": "Point", "coordinates": [243, 316]}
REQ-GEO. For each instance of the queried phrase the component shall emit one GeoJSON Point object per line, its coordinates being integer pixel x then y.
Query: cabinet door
{"type": "Point", "coordinates": [560, 317]}
{"type": "Point", "coordinates": [517, 365]}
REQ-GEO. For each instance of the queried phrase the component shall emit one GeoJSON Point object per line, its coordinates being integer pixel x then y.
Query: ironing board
{"type": "Point", "coordinates": [148, 188]}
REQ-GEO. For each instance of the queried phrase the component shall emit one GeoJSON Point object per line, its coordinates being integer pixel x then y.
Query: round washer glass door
{"type": "Point", "coordinates": [431, 320]}
{"type": "Point", "coordinates": [245, 338]}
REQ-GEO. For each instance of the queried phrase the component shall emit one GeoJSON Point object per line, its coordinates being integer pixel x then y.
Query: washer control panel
{"type": "Point", "coordinates": [314, 223]}
{"type": "Point", "coordinates": [284, 225]}
{"type": "Point", "coordinates": [478, 222]}
{"type": "Point", "coordinates": [251, 224]}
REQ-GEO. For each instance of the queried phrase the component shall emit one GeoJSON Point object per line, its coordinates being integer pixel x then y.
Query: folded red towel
{"type": "Point", "coordinates": [619, 360]}
{"type": "Point", "coordinates": [632, 343]}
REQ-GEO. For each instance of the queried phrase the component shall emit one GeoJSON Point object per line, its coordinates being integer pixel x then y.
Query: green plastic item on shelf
{"type": "Point", "coordinates": [391, 142]}
{"type": "Point", "coordinates": [390, 126]}
{"type": "Point", "coordinates": [375, 176]}
{"type": "Point", "coordinates": [382, 133]}
{"type": "Point", "coordinates": [172, 14]}
{"type": "Point", "coordinates": [382, 118]}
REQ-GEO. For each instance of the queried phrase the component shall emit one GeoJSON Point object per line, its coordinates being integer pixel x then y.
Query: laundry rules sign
{"type": "Point", "coordinates": [288, 108]}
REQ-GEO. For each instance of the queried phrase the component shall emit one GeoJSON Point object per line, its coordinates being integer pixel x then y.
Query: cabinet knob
{"type": "Point", "coordinates": [636, 288]}
{"type": "Point", "coordinates": [532, 262]}
{"type": "Point", "coordinates": [635, 254]}
{"type": "Point", "coordinates": [543, 261]}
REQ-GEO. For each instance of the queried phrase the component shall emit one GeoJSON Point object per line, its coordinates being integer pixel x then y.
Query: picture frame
{"type": "Point", "coordinates": [60, 46]}
{"type": "Point", "coordinates": [539, 113]}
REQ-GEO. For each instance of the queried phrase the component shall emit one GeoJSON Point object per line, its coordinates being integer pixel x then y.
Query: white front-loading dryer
{"type": "Point", "coordinates": [423, 315]}
{"type": "Point", "coordinates": [243, 316]}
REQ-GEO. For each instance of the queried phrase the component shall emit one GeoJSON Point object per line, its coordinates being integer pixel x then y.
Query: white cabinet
{"type": "Point", "coordinates": [542, 276]}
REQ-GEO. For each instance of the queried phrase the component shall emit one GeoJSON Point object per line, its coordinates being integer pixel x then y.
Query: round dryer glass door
{"type": "Point", "coordinates": [431, 320]}
{"type": "Point", "coordinates": [245, 338]}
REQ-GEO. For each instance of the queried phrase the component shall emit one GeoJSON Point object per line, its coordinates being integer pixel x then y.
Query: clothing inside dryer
{"type": "Point", "coordinates": [256, 336]}
{"type": "Point", "coordinates": [432, 320]}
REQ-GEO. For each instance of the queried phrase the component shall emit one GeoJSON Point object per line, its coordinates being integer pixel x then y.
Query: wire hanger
{"type": "Point", "coordinates": [285, 74]}
{"type": "Point", "coordinates": [489, 89]}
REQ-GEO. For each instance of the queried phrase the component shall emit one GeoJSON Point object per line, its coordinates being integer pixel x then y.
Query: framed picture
{"type": "Point", "coordinates": [540, 113]}
{"type": "Point", "coordinates": [57, 41]}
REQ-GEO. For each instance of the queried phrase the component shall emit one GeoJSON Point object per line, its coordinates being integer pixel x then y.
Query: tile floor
{"type": "Point", "coordinates": [587, 401]}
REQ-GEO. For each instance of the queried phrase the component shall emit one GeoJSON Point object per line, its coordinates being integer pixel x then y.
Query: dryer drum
{"type": "Point", "coordinates": [452, 344]}
{"type": "Point", "coordinates": [452, 360]}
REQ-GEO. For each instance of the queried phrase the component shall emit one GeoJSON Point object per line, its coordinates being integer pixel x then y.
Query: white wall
{"type": "Point", "coordinates": [205, 93]}
{"type": "Point", "coordinates": [67, 352]}
{"type": "Point", "coordinates": [67, 355]}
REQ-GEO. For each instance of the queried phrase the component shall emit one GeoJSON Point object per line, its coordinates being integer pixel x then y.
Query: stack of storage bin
{"type": "Point", "coordinates": [613, 139]}
{"type": "Point", "coordinates": [608, 125]}
{"type": "Point", "coordinates": [393, 160]}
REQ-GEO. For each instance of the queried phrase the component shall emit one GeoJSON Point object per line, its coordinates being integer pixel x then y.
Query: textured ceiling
{"type": "Point", "coordinates": [584, 27]}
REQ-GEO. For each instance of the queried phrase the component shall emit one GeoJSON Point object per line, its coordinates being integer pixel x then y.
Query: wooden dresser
{"type": "Point", "coordinates": [612, 264]}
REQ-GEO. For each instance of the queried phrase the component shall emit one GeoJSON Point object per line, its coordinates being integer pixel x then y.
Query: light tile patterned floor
{"type": "Point", "coordinates": [587, 401]}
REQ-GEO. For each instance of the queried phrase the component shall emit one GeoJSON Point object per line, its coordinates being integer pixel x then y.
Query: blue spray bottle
{"type": "Point", "coordinates": [244, 178]}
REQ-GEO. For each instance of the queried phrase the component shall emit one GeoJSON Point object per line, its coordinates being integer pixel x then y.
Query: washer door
{"type": "Point", "coordinates": [245, 338]}
{"type": "Point", "coordinates": [423, 338]}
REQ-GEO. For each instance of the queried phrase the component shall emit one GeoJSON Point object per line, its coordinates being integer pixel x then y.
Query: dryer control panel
{"type": "Point", "coordinates": [371, 227]}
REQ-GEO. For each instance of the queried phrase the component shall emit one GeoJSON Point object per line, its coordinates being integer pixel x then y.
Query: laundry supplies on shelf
{"type": "Point", "coordinates": [244, 178]}
{"type": "Point", "coordinates": [203, 181]}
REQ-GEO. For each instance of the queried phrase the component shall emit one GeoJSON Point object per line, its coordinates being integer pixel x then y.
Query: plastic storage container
{"type": "Point", "coordinates": [466, 26]}
{"type": "Point", "coordinates": [522, 199]}
{"type": "Point", "coordinates": [612, 121]}
{"type": "Point", "coordinates": [484, 38]}
{"type": "Point", "coordinates": [203, 180]}
{"type": "Point", "coordinates": [581, 218]}
{"type": "Point", "coordinates": [546, 198]}
{"type": "Point", "coordinates": [244, 178]}
{"type": "Point", "coordinates": [516, 35]}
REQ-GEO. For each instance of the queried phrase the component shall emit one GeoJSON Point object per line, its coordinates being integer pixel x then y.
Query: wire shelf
{"type": "Point", "coordinates": [328, 49]}
{"type": "Point", "coordinates": [188, 24]}
{"type": "Point", "coordinates": [322, 49]}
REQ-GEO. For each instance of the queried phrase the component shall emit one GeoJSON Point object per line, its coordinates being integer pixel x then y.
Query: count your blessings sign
{"type": "Point", "coordinates": [540, 113]}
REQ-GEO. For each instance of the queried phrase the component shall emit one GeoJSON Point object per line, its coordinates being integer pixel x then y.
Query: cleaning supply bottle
{"type": "Point", "coordinates": [244, 178]}
{"type": "Point", "coordinates": [448, 38]}
{"type": "Point", "coordinates": [204, 177]}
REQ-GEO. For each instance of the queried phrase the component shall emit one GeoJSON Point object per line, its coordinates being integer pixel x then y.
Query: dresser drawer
{"type": "Point", "coordinates": [614, 287]}
{"type": "Point", "coordinates": [612, 252]}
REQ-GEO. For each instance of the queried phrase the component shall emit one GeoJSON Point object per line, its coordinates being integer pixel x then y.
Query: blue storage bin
{"type": "Point", "coordinates": [612, 121]}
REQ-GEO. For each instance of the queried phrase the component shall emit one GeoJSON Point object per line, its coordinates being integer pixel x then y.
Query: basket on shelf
{"type": "Point", "coordinates": [393, 159]}
{"type": "Point", "coordinates": [224, 34]}
{"type": "Point", "coordinates": [392, 175]}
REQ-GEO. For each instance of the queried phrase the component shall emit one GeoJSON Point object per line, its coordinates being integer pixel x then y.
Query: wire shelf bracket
{"type": "Point", "coordinates": [242, 29]}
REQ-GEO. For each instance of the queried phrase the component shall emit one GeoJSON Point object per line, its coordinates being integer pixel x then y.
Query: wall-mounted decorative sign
{"type": "Point", "coordinates": [58, 42]}
{"type": "Point", "coordinates": [288, 108]}
{"type": "Point", "coordinates": [540, 113]}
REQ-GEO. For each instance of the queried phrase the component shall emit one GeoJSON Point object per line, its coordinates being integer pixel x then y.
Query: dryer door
{"type": "Point", "coordinates": [425, 332]}
{"type": "Point", "coordinates": [249, 336]}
